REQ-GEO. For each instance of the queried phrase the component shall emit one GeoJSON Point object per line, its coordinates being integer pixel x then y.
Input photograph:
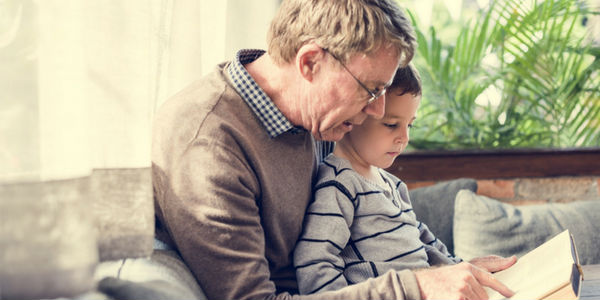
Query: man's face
{"type": "Point", "coordinates": [341, 102]}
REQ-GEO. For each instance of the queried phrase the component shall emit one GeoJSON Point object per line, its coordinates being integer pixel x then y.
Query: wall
{"type": "Point", "coordinates": [524, 176]}
{"type": "Point", "coordinates": [524, 191]}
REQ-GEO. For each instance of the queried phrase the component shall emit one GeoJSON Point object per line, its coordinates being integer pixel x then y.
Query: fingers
{"type": "Point", "coordinates": [494, 263]}
{"type": "Point", "coordinates": [477, 291]}
{"type": "Point", "coordinates": [487, 279]}
{"type": "Point", "coordinates": [461, 281]}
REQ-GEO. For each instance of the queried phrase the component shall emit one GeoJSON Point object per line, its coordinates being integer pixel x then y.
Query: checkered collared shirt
{"type": "Point", "coordinates": [271, 117]}
{"type": "Point", "coordinates": [273, 120]}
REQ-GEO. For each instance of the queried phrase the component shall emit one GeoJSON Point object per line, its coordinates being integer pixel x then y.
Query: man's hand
{"type": "Point", "coordinates": [464, 280]}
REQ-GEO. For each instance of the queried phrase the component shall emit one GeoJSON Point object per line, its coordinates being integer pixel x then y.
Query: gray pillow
{"type": "Point", "coordinates": [434, 206]}
{"type": "Point", "coordinates": [53, 233]}
{"type": "Point", "coordinates": [124, 212]}
{"type": "Point", "coordinates": [162, 276]}
{"type": "Point", "coordinates": [484, 226]}
{"type": "Point", "coordinates": [47, 240]}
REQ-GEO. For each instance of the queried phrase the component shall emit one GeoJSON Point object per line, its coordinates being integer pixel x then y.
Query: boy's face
{"type": "Point", "coordinates": [379, 141]}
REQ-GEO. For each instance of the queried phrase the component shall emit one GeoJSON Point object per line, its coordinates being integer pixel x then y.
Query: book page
{"type": "Point", "coordinates": [539, 272]}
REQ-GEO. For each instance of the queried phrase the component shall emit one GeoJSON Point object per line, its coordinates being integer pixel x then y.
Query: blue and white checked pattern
{"type": "Point", "coordinates": [271, 117]}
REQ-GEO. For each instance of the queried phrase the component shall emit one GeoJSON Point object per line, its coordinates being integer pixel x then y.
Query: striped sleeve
{"type": "Point", "coordinates": [319, 266]}
{"type": "Point", "coordinates": [437, 251]}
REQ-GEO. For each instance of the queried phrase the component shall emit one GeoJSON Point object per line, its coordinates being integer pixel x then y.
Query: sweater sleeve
{"type": "Point", "coordinates": [437, 252]}
{"type": "Point", "coordinates": [319, 266]}
{"type": "Point", "coordinates": [215, 223]}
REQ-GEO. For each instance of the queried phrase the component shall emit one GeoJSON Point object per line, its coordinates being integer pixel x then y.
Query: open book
{"type": "Point", "coordinates": [550, 271]}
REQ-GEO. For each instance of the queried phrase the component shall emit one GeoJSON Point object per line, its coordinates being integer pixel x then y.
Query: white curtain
{"type": "Point", "coordinates": [80, 80]}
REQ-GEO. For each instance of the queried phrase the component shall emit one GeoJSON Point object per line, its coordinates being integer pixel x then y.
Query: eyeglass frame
{"type": "Point", "coordinates": [374, 94]}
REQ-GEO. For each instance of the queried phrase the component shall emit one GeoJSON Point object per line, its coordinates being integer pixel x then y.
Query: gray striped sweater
{"type": "Point", "coordinates": [355, 230]}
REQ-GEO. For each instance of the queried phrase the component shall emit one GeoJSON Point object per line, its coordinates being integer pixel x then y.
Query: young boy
{"type": "Point", "coordinates": [361, 223]}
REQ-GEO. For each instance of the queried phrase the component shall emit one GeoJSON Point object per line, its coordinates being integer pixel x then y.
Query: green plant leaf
{"type": "Point", "coordinates": [514, 76]}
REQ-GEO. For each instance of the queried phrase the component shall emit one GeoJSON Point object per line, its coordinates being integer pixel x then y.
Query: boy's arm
{"type": "Point", "coordinates": [437, 252]}
{"type": "Point", "coordinates": [319, 266]}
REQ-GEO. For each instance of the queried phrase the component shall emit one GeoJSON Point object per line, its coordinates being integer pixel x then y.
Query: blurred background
{"type": "Point", "coordinates": [80, 81]}
{"type": "Point", "coordinates": [508, 74]}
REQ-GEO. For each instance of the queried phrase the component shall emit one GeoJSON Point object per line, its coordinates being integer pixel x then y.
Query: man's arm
{"type": "Point", "coordinates": [214, 220]}
{"type": "Point", "coordinates": [464, 280]}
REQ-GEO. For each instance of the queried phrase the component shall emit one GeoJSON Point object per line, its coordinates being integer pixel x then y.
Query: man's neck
{"type": "Point", "coordinates": [277, 80]}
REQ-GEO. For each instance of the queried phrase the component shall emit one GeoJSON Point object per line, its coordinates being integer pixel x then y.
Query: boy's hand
{"type": "Point", "coordinates": [493, 263]}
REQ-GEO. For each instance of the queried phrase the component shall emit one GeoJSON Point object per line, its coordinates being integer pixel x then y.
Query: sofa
{"type": "Point", "coordinates": [92, 238]}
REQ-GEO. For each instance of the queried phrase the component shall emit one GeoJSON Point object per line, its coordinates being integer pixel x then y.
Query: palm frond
{"type": "Point", "coordinates": [541, 89]}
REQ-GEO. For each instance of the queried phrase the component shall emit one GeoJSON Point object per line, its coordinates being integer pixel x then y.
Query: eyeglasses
{"type": "Point", "coordinates": [376, 93]}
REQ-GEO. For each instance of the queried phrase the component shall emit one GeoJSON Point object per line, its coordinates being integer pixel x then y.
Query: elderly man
{"type": "Point", "coordinates": [234, 153]}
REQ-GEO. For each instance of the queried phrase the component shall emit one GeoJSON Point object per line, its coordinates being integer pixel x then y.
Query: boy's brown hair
{"type": "Point", "coordinates": [406, 81]}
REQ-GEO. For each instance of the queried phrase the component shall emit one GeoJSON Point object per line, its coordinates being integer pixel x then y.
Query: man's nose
{"type": "Point", "coordinates": [376, 108]}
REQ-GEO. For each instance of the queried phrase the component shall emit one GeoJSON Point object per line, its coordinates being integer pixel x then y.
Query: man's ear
{"type": "Point", "coordinates": [309, 60]}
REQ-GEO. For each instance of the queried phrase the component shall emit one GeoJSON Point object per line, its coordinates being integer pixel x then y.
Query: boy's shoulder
{"type": "Point", "coordinates": [335, 168]}
{"type": "Point", "coordinates": [337, 172]}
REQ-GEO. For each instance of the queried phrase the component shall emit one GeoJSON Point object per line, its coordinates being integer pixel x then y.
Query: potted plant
{"type": "Point", "coordinates": [521, 80]}
{"type": "Point", "coordinates": [517, 76]}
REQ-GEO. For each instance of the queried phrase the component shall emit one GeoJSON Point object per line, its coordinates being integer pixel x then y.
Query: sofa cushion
{"type": "Point", "coordinates": [54, 233]}
{"type": "Point", "coordinates": [163, 275]}
{"type": "Point", "coordinates": [124, 212]}
{"type": "Point", "coordinates": [484, 226]}
{"type": "Point", "coordinates": [47, 239]}
{"type": "Point", "coordinates": [434, 206]}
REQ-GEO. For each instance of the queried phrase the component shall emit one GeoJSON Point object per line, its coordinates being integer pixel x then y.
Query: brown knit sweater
{"type": "Point", "coordinates": [232, 200]}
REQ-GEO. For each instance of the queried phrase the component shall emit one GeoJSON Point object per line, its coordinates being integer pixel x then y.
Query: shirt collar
{"type": "Point", "coordinates": [270, 116]}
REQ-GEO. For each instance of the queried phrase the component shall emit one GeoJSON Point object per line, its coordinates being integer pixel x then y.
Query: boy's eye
{"type": "Point", "coordinates": [390, 125]}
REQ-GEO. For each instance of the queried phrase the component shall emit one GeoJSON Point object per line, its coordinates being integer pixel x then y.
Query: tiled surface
{"type": "Point", "coordinates": [499, 189]}
{"type": "Point", "coordinates": [526, 191]}
{"type": "Point", "coordinates": [590, 290]}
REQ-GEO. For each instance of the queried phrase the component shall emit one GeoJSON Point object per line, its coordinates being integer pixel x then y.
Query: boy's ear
{"type": "Point", "coordinates": [309, 60]}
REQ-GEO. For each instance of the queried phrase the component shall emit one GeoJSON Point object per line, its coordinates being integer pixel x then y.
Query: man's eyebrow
{"type": "Point", "coordinates": [392, 116]}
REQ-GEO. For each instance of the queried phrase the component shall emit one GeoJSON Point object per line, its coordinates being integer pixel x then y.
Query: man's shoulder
{"type": "Point", "coordinates": [205, 103]}
{"type": "Point", "coordinates": [200, 95]}
{"type": "Point", "coordinates": [208, 109]}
